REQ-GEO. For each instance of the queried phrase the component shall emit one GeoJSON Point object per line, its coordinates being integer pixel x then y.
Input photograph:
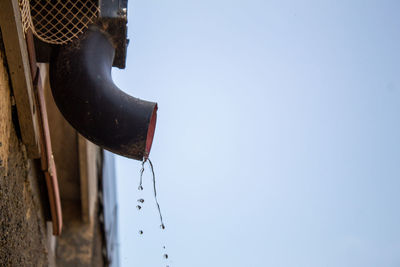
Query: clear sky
{"type": "Point", "coordinates": [278, 133]}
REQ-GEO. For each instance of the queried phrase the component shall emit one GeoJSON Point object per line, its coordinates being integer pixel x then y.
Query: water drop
{"type": "Point", "coordinates": [162, 226]}
{"type": "Point", "coordinates": [165, 256]}
{"type": "Point", "coordinates": [163, 247]}
{"type": "Point", "coordinates": [138, 207]}
{"type": "Point", "coordinates": [141, 174]}
{"type": "Point", "coordinates": [140, 232]}
{"type": "Point", "coordinates": [140, 200]}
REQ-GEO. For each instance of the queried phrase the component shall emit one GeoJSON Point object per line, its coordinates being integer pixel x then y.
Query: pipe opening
{"type": "Point", "coordinates": [150, 131]}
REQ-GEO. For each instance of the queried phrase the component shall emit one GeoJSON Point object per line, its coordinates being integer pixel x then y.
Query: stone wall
{"type": "Point", "coordinates": [23, 231]}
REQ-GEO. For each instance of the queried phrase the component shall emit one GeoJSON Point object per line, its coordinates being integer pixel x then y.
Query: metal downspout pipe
{"type": "Point", "coordinates": [83, 89]}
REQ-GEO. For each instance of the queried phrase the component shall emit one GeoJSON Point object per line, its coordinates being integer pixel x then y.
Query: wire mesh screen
{"type": "Point", "coordinates": [58, 21]}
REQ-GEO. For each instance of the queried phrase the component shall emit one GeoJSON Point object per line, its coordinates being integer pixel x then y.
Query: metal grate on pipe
{"type": "Point", "coordinates": [58, 21]}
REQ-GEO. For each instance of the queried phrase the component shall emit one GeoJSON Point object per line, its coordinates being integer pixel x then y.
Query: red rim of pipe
{"type": "Point", "coordinates": [150, 131]}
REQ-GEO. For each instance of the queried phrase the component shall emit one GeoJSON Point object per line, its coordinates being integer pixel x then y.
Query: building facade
{"type": "Point", "coordinates": [57, 189]}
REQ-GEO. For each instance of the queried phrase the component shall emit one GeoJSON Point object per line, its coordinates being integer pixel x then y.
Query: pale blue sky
{"type": "Point", "coordinates": [277, 141]}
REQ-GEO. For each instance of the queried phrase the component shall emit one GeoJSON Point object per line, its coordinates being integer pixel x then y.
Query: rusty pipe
{"type": "Point", "coordinates": [84, 92]}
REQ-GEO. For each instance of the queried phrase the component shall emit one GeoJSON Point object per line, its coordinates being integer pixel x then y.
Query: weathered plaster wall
{"type": "Point", "coordinates": [80, 245]}
{"type": "Point", "coordinates": [22, 224]}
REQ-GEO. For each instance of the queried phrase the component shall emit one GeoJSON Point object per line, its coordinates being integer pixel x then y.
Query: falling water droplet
{"type": "Point", "coordinates": [141, 200]}
{"type": "Point", "coordinates": [141, 174]}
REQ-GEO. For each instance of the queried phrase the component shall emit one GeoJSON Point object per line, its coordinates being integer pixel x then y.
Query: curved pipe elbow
{"type": "Point", "coordinates": [84, 92]}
